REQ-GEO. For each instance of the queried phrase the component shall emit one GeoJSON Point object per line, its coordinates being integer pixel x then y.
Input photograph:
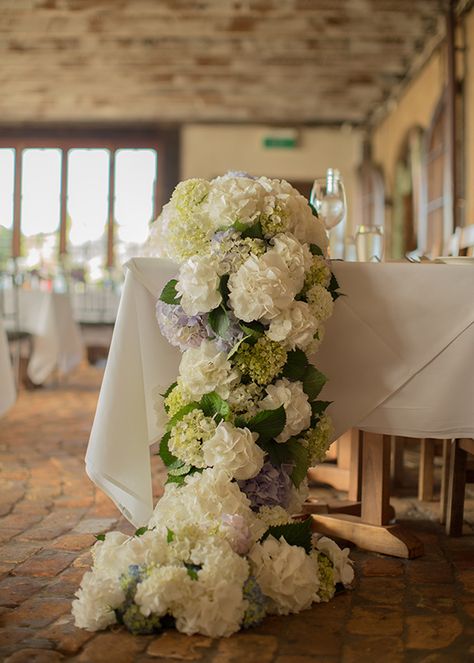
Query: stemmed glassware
{"type": "Point", "coordinates": [328, 198]}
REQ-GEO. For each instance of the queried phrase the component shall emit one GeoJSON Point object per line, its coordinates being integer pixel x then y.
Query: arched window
{"type": "Point", "coordinates": [407, 195]}
{"type": "Point", "coordinates": [437, 218]}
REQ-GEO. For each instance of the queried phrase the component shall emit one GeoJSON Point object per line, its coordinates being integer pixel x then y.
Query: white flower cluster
{"type": "Point", "coordinates": [241, 424]}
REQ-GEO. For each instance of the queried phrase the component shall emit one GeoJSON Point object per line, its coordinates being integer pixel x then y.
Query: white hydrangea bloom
{"type": "Point", "coordinates": [234, 450]}
{"type": "Point", "coordinates": [297, 256]}
{"type": "Point", "coordinates": [234, 199]}
{"type": "Point", "coordinates": [343, 571]}
{"type": "Point", "coordinates": [202, 501]}
{"type": "Point", "coordinates": [312, 349]}
{"type": "Point", "coordinates": [96, 600]}
{"type": "Point", "coordinates": [205, 369]}
{"type": "Point", "coordinates": [286, 574]}
{"type": "Point", "coordinates": [198, 285]}
{"type": "Point", "coordinates": [295, 327]}
{"type": "Point", "coordinates": [216, 605]}
{"type": "Point", "coordinates": [294, 400]}
{"type": "Point", "coordinates": [237, 533]}
{"type": "Point", "coordinates": [320, 302]}
{"type": "Point", "coordinates": [304, 225]}
{"type": "Point", "coordinates": [262, 287]}
{"type": "Point", "coordinates": [165, 589]}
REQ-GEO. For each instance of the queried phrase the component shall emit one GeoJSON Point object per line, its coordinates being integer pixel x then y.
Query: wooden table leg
{"type": "Point", "coordinates": [372, 530]}
{"type": "Point", "coordinates": [426, 470]}
{"type": "Point", "coordinates": [341, 475]}
{"type": "Point", "coordinates": [445, 481]}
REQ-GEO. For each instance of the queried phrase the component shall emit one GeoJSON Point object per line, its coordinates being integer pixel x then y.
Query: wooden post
{"type": "Point", "coordinates": [456, 491]}
{"type": "Point", "coordinates": [451, 186]}
{"type": "Point", "coordinates": [426, 469]}
{"type": "Point", "coordinates": [355, 467]}
{"type": "Point", "coordinates": [111, 212]}
{"type": "Point", "coordinates": [376, 479]}
{"type": "Point", "coordinates": [63, 209]}
{"type": "Point", "coordinates": [16, 238]}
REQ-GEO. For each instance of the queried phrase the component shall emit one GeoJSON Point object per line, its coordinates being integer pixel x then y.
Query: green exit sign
{"type": "Point", "coordinates": [285, 139]}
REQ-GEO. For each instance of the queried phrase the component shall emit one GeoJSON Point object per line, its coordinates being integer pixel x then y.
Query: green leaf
{"type": "Point", "coordinates": [169, 535]}
{"type": "Point", "coordinates": [314, 210]}
{"type": "Point", "coordinates": [300, 458]}
{"type": "Point", "coordinates": [141, 531]}
{"type": "Point", "coordinates": [219, 321]}
{"type": "Point", "coordinates": [278, 453]}
{"type": "Point", "coordinates": [252, 329]}
{"type": "Point", "coordinates": [192, 570]}
{"type": "Point", "coordinates": [296, 365]}
{"type": "Point", "coordinates": [100, 537]}
{"type": "Point", "coordinates": [224, 288]}
{"type": "Point", "coordinates": [246, 230]}
{"type": "Point", "coordinates": [179, 479]}
{"type": "Point", "coordinates": [178, 470]}
{"type": "Point", "coordinates": [295, 534]}
{"type": "Point", "coordinates": [169, 294]}
{"type": "Point", "coordinates": [268, 423]}
{"type": "Point", "coordinates": [334, 287]}
{"type": "Point", "coordinates": [313, 382]}
{"type": "Point", "coordinates": [189, 407]}
{"type": "Point", "coordinates": [213, 405]}
{"type": "Point", "coordinates": [165, 454]}
{"type": "Point", "coordinates": [317, 409]}
{"type": "Point", "coordinates": [315, 250]}
{"type": "Point", "coordinates": [240, 421]}
{"type": "Point", "coordinates": [167, 393]}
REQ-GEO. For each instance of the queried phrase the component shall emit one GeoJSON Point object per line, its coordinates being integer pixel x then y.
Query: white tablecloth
{"type": "Point", "coordinates": [7, 382]}
{"type": "Point", "coordinates": [398, 354]}
{"type": "Point", "coordinates": [57, 341]}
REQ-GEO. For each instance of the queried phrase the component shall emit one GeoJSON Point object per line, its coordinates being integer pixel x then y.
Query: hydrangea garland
{"type": "Point", "coordinates": [244, 423]}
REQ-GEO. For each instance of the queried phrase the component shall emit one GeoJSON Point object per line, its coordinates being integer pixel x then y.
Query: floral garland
{"type": "Point", "coordinates": [243, 422]}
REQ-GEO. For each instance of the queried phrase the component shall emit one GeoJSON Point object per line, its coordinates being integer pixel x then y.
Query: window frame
{"type": "Point", "coordinates": [164, 141]}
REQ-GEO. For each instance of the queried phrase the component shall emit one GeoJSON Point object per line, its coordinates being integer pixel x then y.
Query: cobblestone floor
{"type": "Point", "coordinates": [419, 610]}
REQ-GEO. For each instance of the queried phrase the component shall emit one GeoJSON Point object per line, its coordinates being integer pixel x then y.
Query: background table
{"type": "Point", "coordinates": [397, 326]}
{"type": "Point", "coordinates": [57, 342]}
{"type": "Point", "coordinates": [7, 381]}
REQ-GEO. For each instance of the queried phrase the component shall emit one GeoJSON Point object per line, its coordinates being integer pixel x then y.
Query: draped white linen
{"type": "Point", "coordinates": [7, 382]}
{"type": "Point", "coordinates": [398, 353]}
{"type": "Point", "coordinates": [57, 341]}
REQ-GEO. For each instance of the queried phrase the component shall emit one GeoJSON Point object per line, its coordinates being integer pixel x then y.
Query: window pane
{"type": "Point", "coordinates": [135, 173]}
{"type": "Point", "coordinates": [7, 180]}
{"type": "Point", "coordinates": [40, 206]}
{"type": "Point", "coordinates": [87, 209]}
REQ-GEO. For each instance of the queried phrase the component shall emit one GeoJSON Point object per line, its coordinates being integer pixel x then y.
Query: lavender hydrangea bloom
{"type": "Point", "coordinates": [179, 328]}
{"type": "Point", "coordinates": [271, 486]}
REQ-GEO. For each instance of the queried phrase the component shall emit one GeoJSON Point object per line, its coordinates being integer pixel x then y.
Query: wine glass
{"type": "Point", "coordinates": [328, 198]}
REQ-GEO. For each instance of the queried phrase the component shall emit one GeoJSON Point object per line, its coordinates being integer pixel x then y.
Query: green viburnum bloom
{"type": "Point", "coordinates": [317, 439]}
{"type": "Point", "coordinates": [175, 400]}
{"type": "Point", "coordinates": [274, 223]}
{"type": "Point", "coordinates": [261, 362]}
{"type": "Point", "coordinates": [187, 436]}
{"type": "Point", "coordinates": [327, 585]}
{"type": "Point", "coordinates": [318, 274]}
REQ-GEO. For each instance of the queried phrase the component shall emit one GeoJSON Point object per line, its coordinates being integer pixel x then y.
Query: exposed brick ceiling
{"type": "Point", "coordinates": [298, 61]}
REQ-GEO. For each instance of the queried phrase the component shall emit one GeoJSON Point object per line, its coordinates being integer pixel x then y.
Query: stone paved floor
{"type": "Point", "coordinates": [418, 610]}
